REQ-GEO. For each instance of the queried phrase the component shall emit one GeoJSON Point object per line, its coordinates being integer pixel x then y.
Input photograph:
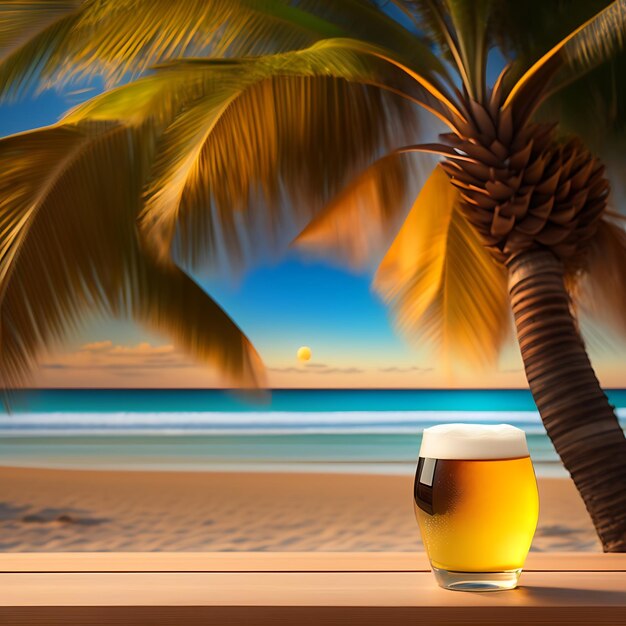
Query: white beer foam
{"type": "Point", "coordinates": [473, 442]}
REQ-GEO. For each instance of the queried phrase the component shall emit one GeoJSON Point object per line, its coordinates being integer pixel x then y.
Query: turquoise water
{"type": "Point", "coordinates": [287, 430]}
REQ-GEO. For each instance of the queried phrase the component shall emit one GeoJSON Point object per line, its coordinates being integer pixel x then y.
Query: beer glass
{"type": "Point", "coordinates": [476, 503]}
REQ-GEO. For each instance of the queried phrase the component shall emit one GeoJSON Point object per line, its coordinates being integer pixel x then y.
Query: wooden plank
{"type": "Point", "coordinates": [307, 616]}
{"type": "Point", "coordinates": [332, 594]}
{"type": "Point", "coordinates": [304, 598]}
{"type": "Point", "coordinates": [578, 561]}
{"type": "Point", "coordinates": [277, 562]}
{"type": "Point", "coordinates": [214, 562]}
{"type": "Point", "coordinates": [384, 589]}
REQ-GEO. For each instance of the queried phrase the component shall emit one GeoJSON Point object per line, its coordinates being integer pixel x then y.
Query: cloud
{"type": "Point", "coordinates": [396, 370]}
{"type": "Point", "coordinates": [143, 349]}
{"type": "Point", "coordinates": [105, 355]}
{"type": "Point", "coordinates": [322, 368]}
{"type": "Point", "coordinates": [97, 346]}
{"type": "Point", "coordinates": [343, 370]}
{"type": "Point", "coordinates": [318, 369]}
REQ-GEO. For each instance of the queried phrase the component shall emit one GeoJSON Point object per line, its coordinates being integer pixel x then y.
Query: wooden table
{"type": "Point", "coordinates": [306, 588]}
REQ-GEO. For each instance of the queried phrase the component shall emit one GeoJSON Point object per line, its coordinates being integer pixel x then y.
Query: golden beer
{"type": "Point", "coordinates": [477, 516]}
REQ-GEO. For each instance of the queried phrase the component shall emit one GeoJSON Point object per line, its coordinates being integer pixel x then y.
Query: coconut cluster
{"type": "Point", "coordinates": [523, 188]}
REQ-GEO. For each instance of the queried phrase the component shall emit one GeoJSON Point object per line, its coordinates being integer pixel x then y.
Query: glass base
{"type": "Point", "coordinates": [477, 581]}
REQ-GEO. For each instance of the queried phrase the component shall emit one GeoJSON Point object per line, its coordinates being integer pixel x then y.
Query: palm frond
{"type": "Point", "coordinates": [525, 31]}
{"type": "Point", "coordinates": [428, 14]}
{"type": "Point", "coordinates": [122, 38]}
{"type": "Point", "coordinates": [460, 31]}
{"type": "Point", "coordinates": [440, 280]}
{"type": "Point", "coordinates": [366, 22]}
{"type": "Point", "coordinates": [69, 198]}
{"type": "Point", "coordinates": [21, 20]}
{"type": "Point", "coordinates": [469, 20]}
{"type": "Point", "coordinates": [169, 302]}
{"type": "Point", "coordinates": [592, 107]}
{"type": "Point", "coordinates": [358, 225]}
{"type": "Point", "coordinates": [342, 58]}
{"type": "Point", "coordinates": [599, 39]}
{"type": "Point", "coordinates": [118, 38]}
{"type": "Point", "coordinates": [256, 158]}
{"type": "Point", "coordinates": [156, 99]}
{"type": "Point", "coordinates": [27, 65]}
{"type": "Point", "coordinates": [602, 290]}
{"type": "Point", "coordinates": [434, 21]}
{"type": "Point", "coordinates": [592, 43]}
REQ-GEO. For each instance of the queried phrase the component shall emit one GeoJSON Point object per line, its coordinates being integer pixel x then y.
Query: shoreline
{"type": "Point", "coordinates": [53, 510]}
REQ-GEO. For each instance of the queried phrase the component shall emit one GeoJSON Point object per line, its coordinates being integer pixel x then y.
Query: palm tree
{"type": "Point", "coordinates": [264, 120]}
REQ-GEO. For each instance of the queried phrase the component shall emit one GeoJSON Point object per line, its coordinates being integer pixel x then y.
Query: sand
{"type": "Point", "coordinates": [69, 510]}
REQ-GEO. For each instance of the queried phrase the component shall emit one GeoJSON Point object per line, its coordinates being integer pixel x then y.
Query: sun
{"type": "Point", "coordinates": [304, 353]}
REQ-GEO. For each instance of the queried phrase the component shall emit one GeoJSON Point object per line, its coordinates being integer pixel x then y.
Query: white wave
{"type": "Point", "coordinates": [269, 418]}
{"type": "Point", "coordinates": [255, 423]}
{"type": "Point", "coordinates": [224, 432]}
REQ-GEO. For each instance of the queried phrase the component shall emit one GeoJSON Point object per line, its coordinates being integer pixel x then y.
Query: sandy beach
{"type": "Point", "coordinates": [70, 510]}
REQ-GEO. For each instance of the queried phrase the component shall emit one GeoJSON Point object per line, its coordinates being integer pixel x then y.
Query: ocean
{"type": "Point", "coordinates": [355, 431]}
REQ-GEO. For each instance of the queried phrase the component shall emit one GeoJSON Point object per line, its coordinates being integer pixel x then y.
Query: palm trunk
{"type": "Point", "coordinates": [577, 415]}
